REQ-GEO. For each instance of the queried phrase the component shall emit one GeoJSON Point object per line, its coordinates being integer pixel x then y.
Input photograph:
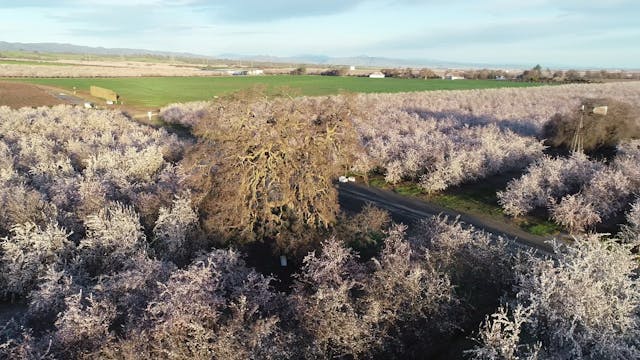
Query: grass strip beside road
{"type": "Point", "coordinates": [479, 201]}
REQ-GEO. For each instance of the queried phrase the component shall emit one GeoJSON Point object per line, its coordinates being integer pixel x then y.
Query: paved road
{"type": "Point", "coordinates": [66, 97]}
{"type": "Point", "coordinates": [408, 210]}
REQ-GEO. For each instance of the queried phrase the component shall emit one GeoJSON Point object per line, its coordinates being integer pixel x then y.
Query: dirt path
{"type": "Point", "coordinates": [409, 210]}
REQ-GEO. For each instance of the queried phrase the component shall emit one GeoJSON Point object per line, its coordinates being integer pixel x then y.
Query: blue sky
{"type": "Point", "coordinates": [585, 33]}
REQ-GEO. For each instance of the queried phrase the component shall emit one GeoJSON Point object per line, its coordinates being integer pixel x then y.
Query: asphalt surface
{"type": "Point", "coordinates": [63, 95]}
{"type": "Point", "coordinates": [68, 98]}
{"type": "Point", "coordinates": [408, 210]}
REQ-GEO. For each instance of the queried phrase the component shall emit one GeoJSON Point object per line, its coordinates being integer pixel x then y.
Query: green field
{"type": "Point", "coordinates": [160, 91]}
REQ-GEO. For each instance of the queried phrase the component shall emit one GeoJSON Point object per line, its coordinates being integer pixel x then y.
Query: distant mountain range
{"type": "Point", "coordinates": [366, 61]}
{"type": "Point", "coordinates": [78, 49]}
{"type": "Point", "coordinates": [300, 59]}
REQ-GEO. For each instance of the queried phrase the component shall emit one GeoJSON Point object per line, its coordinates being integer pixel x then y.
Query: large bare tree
{"type": "Point", "coordinates": [264, 166]}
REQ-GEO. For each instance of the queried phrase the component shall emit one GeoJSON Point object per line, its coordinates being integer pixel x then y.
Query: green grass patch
{"type": "Point", "coordinates": [480, 199]}
{"type": "Point", "coordinates": [468, 203]}
{"type": "Point", "coordinates": [378, 182]}
{"type": "Point", "coordinates": [476, 199]}
{"type": "Point", "coordinates": [540, 227]}
{"type": "Point", "coordinates": [160, 91]}
{"type": "Point", "coordinates": [409, 189]}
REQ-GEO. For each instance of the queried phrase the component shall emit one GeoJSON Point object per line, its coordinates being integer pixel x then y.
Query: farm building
{"type": "Point", "coordinates": [376, 75]}
{"type": "Point", "coordinates": [255, 72]}
{"type": "Point", "coordinates": [453, 77]}
{"type": "Point", "coordinates": [241, 72]}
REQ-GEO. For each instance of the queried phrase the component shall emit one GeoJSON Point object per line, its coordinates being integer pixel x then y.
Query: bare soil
{"type": "Point", "coordinates": [16, 95]}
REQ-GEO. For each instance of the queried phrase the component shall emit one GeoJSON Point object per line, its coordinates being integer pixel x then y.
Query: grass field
{"type": "Point", "coordinates": [160, 91]}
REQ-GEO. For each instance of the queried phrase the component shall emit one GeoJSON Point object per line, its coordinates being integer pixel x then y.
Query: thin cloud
{"type": "Point", "coordinates": [246, 11]}
{"type": "Point", "coordinates": [516, 31]}
{"type": "Point", "coordinates": [94, 3]}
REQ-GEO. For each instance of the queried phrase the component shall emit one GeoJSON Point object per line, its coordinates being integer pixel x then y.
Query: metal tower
{"type": "Point", "coordinates": [577, 145]}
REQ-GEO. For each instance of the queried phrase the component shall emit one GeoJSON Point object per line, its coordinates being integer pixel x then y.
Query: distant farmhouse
{"type": "Point", "coordinates": [453, 77]}
{"type": "Point", "coordinates": [377, 75]}
{"type": "Point", "coordinates": [245, 72]}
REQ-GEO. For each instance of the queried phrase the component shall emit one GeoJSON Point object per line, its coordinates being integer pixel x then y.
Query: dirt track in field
{"type": "Point", "coordinates": [17, 95]}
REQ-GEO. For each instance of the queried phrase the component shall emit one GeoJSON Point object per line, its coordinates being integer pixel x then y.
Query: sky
{"type": "Point", "coordinates": [581, 33]}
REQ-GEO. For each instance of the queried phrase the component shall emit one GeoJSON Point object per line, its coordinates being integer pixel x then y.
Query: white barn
{"type": "Point", "coordinates": [376, 75]}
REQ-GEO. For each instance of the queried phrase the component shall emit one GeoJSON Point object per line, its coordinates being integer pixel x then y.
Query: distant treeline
{"type": "Point", "coordinates": [535, 74]}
